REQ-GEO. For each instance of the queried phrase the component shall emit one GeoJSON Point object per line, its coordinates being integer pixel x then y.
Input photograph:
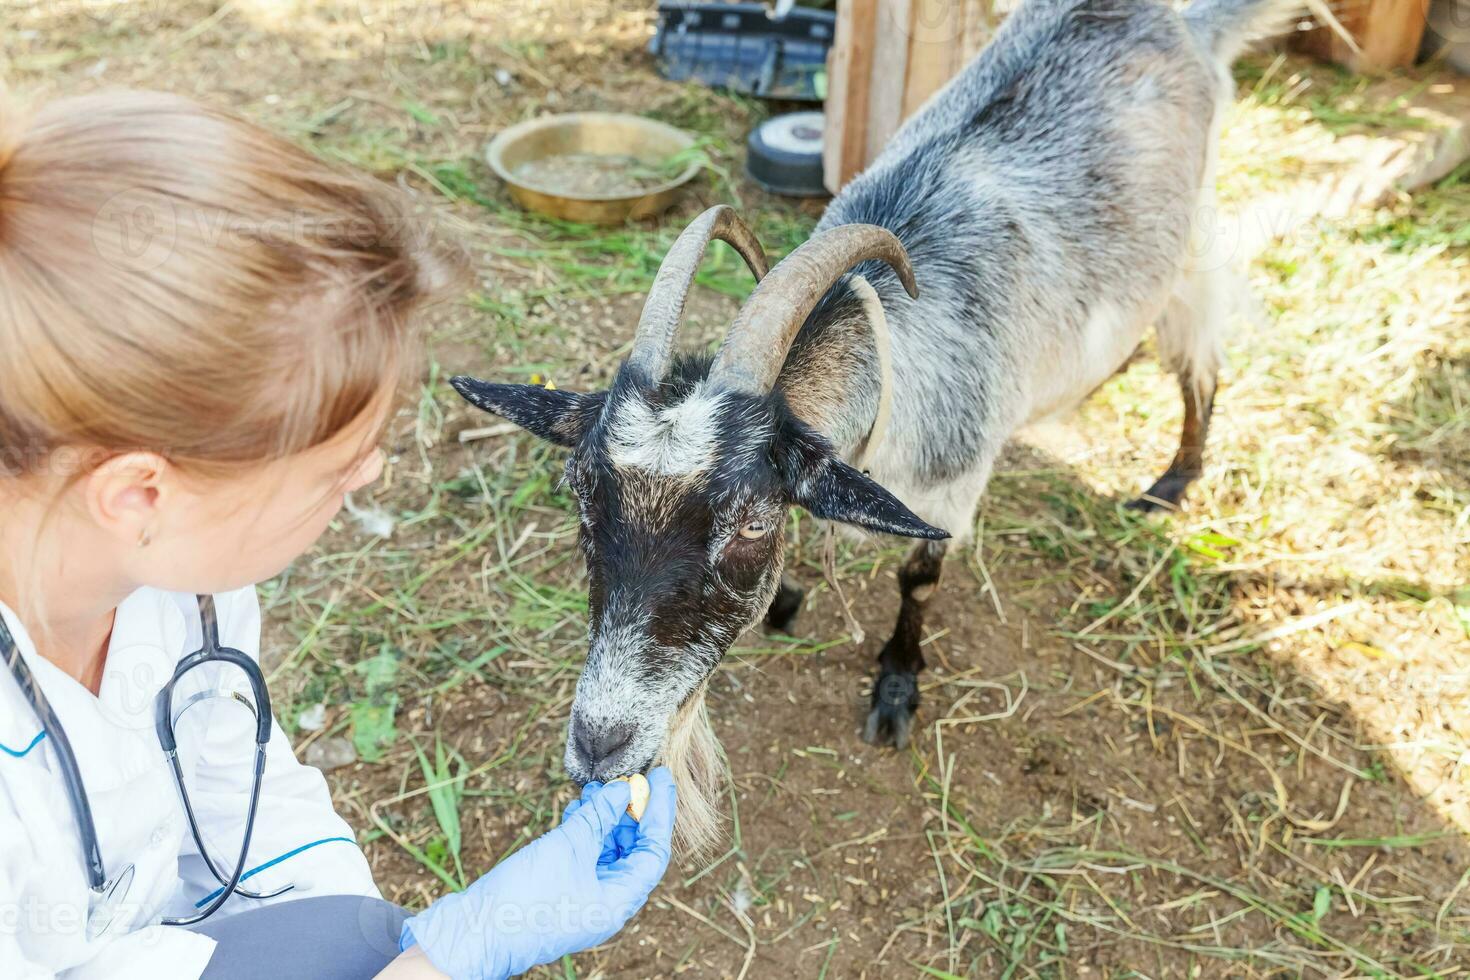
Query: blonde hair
{"type": "Point", "coordinates": [178, 280]}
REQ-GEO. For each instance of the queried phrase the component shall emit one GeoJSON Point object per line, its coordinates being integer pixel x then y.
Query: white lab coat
{"type": "Point", "coordinates": [45, 902]}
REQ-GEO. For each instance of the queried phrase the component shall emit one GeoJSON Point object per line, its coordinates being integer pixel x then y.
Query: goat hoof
{"type": "Point", "coordinates": [784, 608]}
{"type": "Point", "coordinates": [1163, 496]}
{"type": "Point", "coordinates": [895, 700]}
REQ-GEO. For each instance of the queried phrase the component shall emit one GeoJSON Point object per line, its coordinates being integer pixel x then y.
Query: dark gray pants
{"type": "Point", "coordinates": [332, 937]}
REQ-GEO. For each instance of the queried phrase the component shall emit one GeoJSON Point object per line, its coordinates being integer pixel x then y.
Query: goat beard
{"type": "Point", "coordinates": [702, 774]}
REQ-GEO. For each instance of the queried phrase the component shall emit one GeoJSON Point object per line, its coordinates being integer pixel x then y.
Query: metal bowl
{"type": "Point", "coordinates": [649, 142]}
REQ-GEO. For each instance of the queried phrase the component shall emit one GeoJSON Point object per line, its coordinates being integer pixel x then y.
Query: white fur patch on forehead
{"type": "Point", "coordinates": [678, 440]}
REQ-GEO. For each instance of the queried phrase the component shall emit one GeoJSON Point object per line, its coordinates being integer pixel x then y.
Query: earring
{"type": "Point", "coordinates": [145, 539]}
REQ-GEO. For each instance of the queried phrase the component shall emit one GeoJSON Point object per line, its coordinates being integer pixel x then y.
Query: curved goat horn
{"type": "Point", "coordinates": [751, 357]}
{"type": "Point", "coordinates": [654, 342]}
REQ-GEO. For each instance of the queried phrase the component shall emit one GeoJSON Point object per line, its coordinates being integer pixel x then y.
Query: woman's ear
{"type": "Point", "coordinates": [125, 494]}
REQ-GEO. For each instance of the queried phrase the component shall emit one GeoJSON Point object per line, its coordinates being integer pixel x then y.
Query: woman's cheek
{"type": "Point", "coordinates": [305, 532]}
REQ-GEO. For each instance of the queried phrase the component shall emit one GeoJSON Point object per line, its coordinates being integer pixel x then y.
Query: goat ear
{"type": "Point", "coordinates": [830, 489]}
{"type": "Point", "coordinates": [837, 492]}
{"type": "Point", "coordinates": [556, 416]}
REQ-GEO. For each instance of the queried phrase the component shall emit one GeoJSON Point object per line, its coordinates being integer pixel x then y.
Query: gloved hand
{"type": "Point", "coordinates": [623, 837]}
{"type": "Point", "coordinates": [566, 891]}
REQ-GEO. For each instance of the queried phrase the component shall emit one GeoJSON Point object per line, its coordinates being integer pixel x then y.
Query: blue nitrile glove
{"type": "Point", "coordinates": [624, 836]}
{"type": "Point", "coordinates": [566, 891]}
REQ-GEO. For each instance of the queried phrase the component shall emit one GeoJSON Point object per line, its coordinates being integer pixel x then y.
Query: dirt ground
{"type": "Point", "coordinates": [1224, 744]}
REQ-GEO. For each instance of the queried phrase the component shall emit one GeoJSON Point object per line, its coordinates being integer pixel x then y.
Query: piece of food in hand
{"type": "Point", "coordinates": [638, 783]}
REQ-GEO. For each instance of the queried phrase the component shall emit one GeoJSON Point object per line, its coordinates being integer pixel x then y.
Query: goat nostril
{"type": "Point", "coordinates": [613, 740]}
{"type": "Point", "coordinates": [602, 746]}
{"type": "Point", "coordinates": [582, 740]}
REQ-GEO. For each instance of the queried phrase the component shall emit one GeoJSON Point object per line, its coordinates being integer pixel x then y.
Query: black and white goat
{"type": "Point", "coordinates": [1018, 236]}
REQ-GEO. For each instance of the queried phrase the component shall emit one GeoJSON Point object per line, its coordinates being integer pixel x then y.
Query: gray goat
{"type": "Point", "coordinates": [1050, 199]}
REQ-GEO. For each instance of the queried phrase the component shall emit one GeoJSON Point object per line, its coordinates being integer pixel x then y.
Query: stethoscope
{"type": "Point", "coordinates": [110, 892]}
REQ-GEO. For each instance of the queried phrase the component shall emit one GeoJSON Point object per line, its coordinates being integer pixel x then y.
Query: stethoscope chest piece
{"type": "Point", "coordinates": [107, 901]}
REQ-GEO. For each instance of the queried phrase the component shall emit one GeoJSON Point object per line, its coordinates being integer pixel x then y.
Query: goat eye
{"type": "Point", "coordinates": [755, 530]}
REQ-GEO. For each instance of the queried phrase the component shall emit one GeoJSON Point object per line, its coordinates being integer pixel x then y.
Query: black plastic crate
{"type": "Point", "coordinates": [741, 47]}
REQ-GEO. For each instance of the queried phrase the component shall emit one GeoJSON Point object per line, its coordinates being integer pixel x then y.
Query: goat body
{"type": "Point", "coordinates": [1053, 200]}
{"type": "Point", "coordinates": [1056, 199]}
{"type": "Point", "coordinates": [1050, 199]}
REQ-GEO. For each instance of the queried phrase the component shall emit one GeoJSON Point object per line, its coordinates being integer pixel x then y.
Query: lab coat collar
{"type": "Point", "coordinates": [20, 729]}
{"type": "Point", "coordinates": [148, 640]}
{"type": "Point", "coordinates": [149, 634]}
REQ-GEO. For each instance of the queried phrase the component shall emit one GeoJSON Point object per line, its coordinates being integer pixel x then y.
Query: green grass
{"type": "Point", "coordinates": [1437, 218]}
{"type": "Point", "coordinates": [1026, 895]}
{"type": "Point", "coordinates": [600, 260]}
{"type": "Point", "coordinates": [448, 653]}
{"type": "Point", "coordinates": [1337, 100]}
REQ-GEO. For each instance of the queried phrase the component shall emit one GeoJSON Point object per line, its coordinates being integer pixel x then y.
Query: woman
{"type": "Point", "coordinates": [204, 329]}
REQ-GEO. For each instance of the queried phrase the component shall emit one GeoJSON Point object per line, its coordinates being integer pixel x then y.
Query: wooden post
{"type": "Point", "coordinates": [1388, 33]}
{"type": "Point", "coordinates": [886, 110]}
{"type": "Point", "coordinates": [849, 81]}
{"type": "Point", "coordinates": [936, 46]}
{"type": "Point", "coordinates": [888, 57]}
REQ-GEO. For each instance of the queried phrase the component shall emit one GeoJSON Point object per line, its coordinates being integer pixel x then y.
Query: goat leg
{"type": "Point", "coordinates": [786, 605]}
{"type": "Point", "coordinates": [896, 690]}
{"type": "Point", "coordinates": [1168, 490]}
